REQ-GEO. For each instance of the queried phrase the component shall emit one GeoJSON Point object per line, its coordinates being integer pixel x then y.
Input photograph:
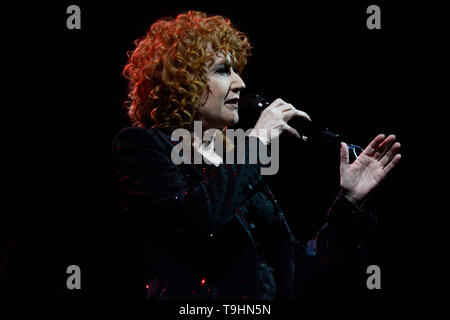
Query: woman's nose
{"type": "Point", "coordinates": [237, 83]}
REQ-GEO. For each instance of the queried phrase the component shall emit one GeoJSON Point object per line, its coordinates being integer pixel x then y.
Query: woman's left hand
{"type": "Point", "coordinates": [362, 176]}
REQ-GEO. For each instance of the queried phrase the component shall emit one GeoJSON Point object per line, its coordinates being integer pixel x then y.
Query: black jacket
{"type": "Point", "coordinates": [198, 242]}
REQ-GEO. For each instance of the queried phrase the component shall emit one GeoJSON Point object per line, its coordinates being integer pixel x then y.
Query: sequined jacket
{"type": "Point", "coordinates": [198, 243]}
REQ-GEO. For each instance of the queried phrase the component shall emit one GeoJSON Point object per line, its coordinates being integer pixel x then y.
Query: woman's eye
{"type": "Point", "coordinates": [223, 69]}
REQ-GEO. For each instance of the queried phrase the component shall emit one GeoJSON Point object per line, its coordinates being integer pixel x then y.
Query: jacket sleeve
{"type": "Point", "coordinates": [333, 263]}
{"type": "Point", "coordinates": [162, 192]}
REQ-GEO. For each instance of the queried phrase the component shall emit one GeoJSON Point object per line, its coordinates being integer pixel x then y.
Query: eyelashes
{"type": "Point", "coordinates": [224, 69]}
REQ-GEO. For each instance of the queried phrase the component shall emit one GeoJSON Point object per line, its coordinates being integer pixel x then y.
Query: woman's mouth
{"type": "Point", "coordinates": [232, 103]}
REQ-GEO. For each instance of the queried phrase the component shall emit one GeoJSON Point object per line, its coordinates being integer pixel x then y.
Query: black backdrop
{"type": "Point", "coordinates": [63, 105]}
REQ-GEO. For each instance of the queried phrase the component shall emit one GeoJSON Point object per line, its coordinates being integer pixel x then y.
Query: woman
{"type": "Point", "coordinates": [216, 231]}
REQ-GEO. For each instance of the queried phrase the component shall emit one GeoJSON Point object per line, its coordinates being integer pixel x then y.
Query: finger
{"type": "Point", "coordinates": [289, 107]}
{"type": "Point", "coordinates": [391, 165]}
{"type": "Point", "coordinates": [292, 131]}
{"type": "Point", "coordinates": [389, 155]}
{"type": "Point", "coordinates": [373, 146]}
{"type": "Point", "coordinates": [295, 113]}
{"type": "Point", "coordinates": [344, 154]}
{"type": "Point", "coordinates": [384, 147]}
{"type": "Point", "coordinates": [286, 108]}
{"type": "Point", "coordinates": [276, 103]}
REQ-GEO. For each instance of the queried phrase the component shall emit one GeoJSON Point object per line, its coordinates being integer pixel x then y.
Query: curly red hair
{"type": "Point", "coordinates": [167, 71]}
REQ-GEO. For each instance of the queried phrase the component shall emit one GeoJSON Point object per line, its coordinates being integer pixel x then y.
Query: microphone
{"type": "Point", "coordinates": [252, 105]}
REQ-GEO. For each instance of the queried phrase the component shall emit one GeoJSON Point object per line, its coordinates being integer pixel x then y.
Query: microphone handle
{"type": "Point", "coordinates": [323, 137]}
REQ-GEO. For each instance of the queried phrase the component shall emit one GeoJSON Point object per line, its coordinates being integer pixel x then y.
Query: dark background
{"type": "Point", "coordinates": [63, 105]}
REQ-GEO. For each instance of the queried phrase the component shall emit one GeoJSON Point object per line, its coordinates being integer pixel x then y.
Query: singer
{"type": "Point", "coordinates": [215, 231]}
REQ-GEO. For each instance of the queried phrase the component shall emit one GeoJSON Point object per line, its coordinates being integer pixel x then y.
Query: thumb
{"type": "Point", "coordinates": [344, 153]}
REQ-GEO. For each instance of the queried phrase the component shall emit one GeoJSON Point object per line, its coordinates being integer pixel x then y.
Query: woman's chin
{"type": "Point", "coordinates": [231, 118]}
{"type": "Point", "coordinates": [236, 118]}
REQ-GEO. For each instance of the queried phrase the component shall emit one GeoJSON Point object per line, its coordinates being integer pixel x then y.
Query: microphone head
{"type": "Point", "coordinates": [250, 108]}
{"type": "Point", "coordinates": [254, 102]}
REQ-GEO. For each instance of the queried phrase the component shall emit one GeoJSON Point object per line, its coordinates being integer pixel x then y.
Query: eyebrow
{"type": "Point", "coordinates": [221, 61]}
{"type": "Point", "coordinates": [217, 63]}
{"type": "Point", "coordinates": [214, 64]}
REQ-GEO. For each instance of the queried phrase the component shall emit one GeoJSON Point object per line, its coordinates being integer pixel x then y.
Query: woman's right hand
{"type": "Point", "coordinates": [273, 121]}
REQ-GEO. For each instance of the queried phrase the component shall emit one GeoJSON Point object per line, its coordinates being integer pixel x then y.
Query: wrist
{"type": "Point", "coordinates": [357, 200]}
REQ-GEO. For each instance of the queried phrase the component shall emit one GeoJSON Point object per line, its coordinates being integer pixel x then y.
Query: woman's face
{"type": "Point", "coordinates": [222, 95]}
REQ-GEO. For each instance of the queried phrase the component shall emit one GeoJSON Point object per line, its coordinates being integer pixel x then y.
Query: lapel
{"type": "Point", "coordinates": [247, 230]}
{"type": "Point", "coordinates": [280, 215]}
